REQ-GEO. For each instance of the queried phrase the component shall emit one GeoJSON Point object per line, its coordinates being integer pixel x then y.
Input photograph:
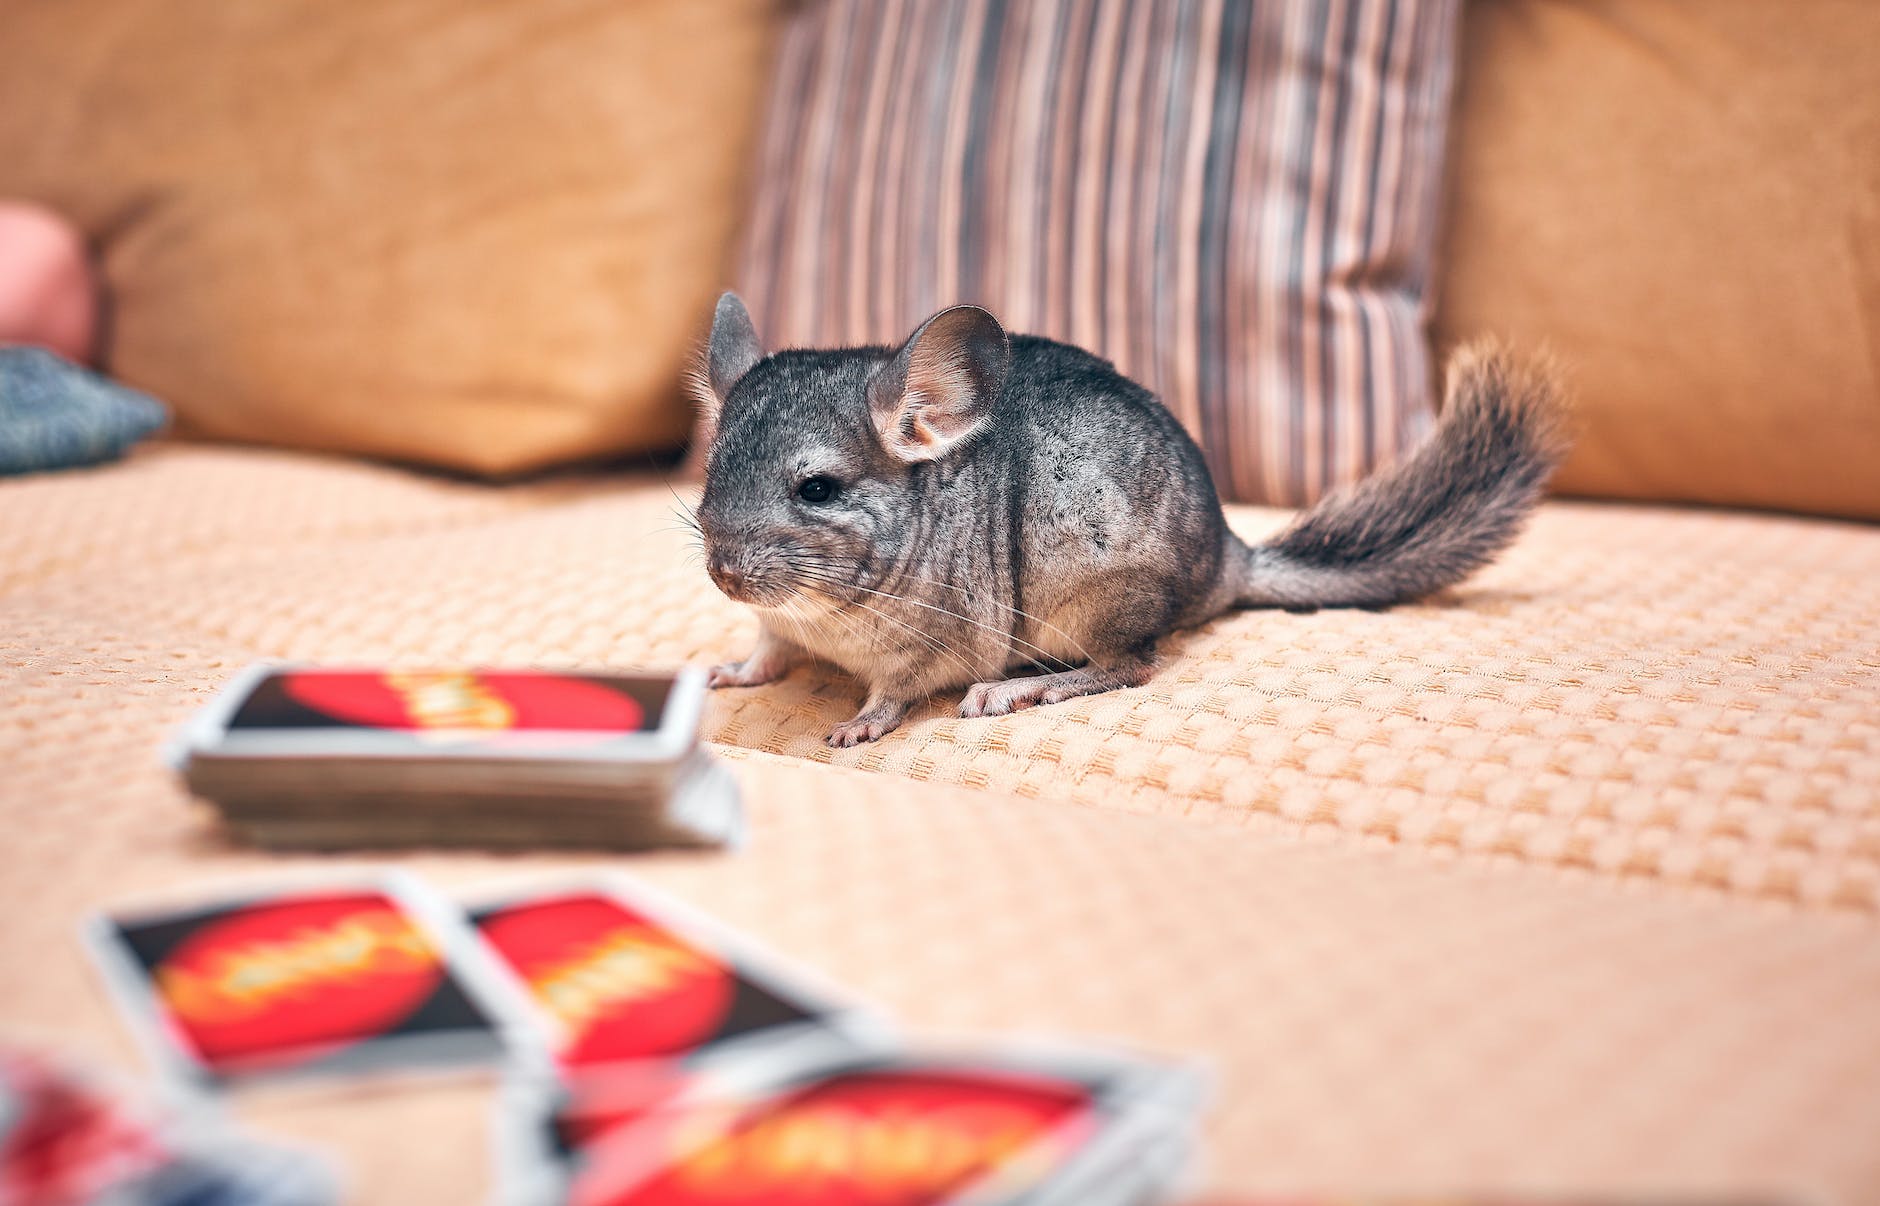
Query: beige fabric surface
{"type": "Point", "coordinates": [1651, 735]}
{"type": "Point", "coordinates": [483, 236]}
{"type": "Point", "coordinates": [1639, 694]}
{"type": "Point", "coordinates": [1684, 201]}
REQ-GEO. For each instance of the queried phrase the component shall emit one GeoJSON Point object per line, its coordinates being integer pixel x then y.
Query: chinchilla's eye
{"type": "Point", "coordinates": [817, 489]}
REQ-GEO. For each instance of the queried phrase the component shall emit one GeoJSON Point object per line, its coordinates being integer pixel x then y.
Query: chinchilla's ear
{"type": "Point", "coordinates": [731, 352]}
{"type": "Point", "coordinates": [941, 385]}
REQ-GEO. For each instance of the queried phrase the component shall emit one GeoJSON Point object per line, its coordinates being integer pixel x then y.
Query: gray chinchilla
{"type": "Point", "coordinates": [971, 504]}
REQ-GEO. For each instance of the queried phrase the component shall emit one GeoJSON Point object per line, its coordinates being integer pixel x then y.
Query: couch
{"type": "Point", "coordinates": [1564, 883]}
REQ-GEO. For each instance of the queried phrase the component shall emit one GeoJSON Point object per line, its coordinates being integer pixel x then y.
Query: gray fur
{"type": "Point", "coordinates": [1016, 505]}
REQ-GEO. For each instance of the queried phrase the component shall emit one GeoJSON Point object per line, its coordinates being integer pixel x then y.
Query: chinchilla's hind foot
{"type": "Point", "coordinates": [1015, 694]}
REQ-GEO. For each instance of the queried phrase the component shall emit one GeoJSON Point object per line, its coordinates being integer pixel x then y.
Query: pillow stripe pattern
{"type": "Point", "coordinates": [1235, 202]}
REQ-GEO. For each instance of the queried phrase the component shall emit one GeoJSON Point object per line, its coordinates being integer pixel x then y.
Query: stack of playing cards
{"type": "Point", "coordinates": [651, 1056]}
{"type": "Point", "coordinates": [302, 757]}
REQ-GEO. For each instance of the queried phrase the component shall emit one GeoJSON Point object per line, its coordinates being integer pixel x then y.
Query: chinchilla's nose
{"type": "Point", "coordinates": [728, 577]}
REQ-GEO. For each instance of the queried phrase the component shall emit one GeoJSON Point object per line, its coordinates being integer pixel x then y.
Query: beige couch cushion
{"type": "Point", "coordinates": [478, 236]}
{"type": "Point", "coordinates": [1640, 694]}
{"type": "Point", "coordinates": [1583, 853]}
{"type": "Point", "coordinates": [1684, 199]}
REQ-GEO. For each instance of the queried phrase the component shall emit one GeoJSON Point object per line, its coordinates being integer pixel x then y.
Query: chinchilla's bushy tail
{"type": "Point", "coordinates": [1435, 517]}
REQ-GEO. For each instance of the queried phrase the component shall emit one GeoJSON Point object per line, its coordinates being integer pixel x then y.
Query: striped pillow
{"type": "Point", "coordinates": [1235, 202]}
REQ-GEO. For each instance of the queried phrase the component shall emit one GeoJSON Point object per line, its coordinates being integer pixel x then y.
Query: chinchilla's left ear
{"type": "Point", "coordinates": [730, 353]}
{"type": "Point", "coordinates": [941, 385]}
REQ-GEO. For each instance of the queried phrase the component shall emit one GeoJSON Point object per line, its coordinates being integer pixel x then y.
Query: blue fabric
{"type": "Point", "coordinates": [54, 414]}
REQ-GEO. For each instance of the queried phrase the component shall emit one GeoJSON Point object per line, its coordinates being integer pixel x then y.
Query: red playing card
{"type": "Point", "coordinates": [620, 985]}
{"type": "Point", "coordinates": [810, 1125]}
{"type": "Point", "coordinates": [624, 980]}
{"type": "Point", "coordinates": [294, 981]}
{"type": "Point", "coordinates": [274, 983]}
{"type": "Point", "coordinates": [63, 1140]}
{"type": "Point", "coordinates": [869, 1137]}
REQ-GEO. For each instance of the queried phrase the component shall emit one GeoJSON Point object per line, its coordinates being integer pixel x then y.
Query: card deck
{"type": "Point", "coordinates": [638, 988]}
{"type": "Point", "coordinates": [357, 976]}
{"type": "Point", "coordinates": [1054, 1128]}
{"type": "Point", "coordinates": [312, 757]}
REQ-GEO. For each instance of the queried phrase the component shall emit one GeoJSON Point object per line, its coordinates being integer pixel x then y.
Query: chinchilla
{"type": "Point", "coordinates": [970, 506]}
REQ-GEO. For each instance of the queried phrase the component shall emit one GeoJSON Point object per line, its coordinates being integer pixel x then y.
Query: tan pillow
{"type": "Point", "coordinates": [1684, 198]}
{"type": "Point", "coordinates": [477, 235]}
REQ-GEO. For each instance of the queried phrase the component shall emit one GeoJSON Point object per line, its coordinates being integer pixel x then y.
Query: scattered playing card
{"type": "Point", "coordinates": [63, 1139]}
{"type": "Point", "coordinates": [68, 1137]}
{"type": "Point", "coordinates": [866, 1129]}
{"type": "Point", "coordinates": [321, 758]}
{"type": "Point", "coordinates": [633, 984]}
{"type": "Point", "coordinates": [343, 977]}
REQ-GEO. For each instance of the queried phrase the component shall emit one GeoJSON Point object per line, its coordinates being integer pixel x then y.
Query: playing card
{"type": "Point", "coordinates": [69, 1137]}
{"type": "Point", "coordinates": [63, 1139]}
{"type": "Point", "coordinates": [228, 1170]}
{"type": "Point", "coordinates": [356, 976]}
{"type": "Point", "coordinates": [633, 984]}
{"type": "Point", "coordinates": [867, 1129]}
{"type": "Point", "coordinates": [275, 711]}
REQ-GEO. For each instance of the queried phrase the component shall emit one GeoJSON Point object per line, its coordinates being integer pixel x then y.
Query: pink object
{"type": "Point", "coordinates": [48, 293]}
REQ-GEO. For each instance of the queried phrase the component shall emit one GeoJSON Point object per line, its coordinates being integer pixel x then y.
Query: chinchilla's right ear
{"type": "Point", "coordinates": [732, 351]}
{"type": "Point", "coordinates": [941, 385]}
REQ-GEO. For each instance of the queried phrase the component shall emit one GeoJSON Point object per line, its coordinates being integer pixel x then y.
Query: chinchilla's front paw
{"type": "Point", "coordinates": [748, 673]}
{"type": "Point", "coordinates": [771, 660]}
{"type": "Point", "coordinates": [875, 721]}
{"type": "Point", "coordinates": [858, 731]}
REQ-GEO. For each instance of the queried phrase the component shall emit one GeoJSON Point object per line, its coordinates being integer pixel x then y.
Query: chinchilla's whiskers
{"type": "Point", "coordinates": [823, 570]}
{"type": "Point", "coordinates": [895, 568]}
{"type": "Point", "coordinates": [938, 643]}
{"type": "Point", "coordinates": [789, 612]}
{"type": "Point", "coordinates": [852, 628]}
{"type": "Point", "coordinates": [694, 533]}
{"type": "Point", "coordinates": [931, 641]}
{"type": "Point", "coordinates": [693, 543]}
{"type": "Point", "coordinates": [838, 613]}
{"type": "Point", "coordinates": [935, 643]}
{"type": "Point", "coordinates": [1018, 612]}
{"type": "Point", "coordinates": [690, 510]}
{"type": "Point", "coordinates": [687, 522]}
{"type": "Point", "coordinates": [1042, 661]}
{"type": "Point", "coordinates": [842, 584]}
